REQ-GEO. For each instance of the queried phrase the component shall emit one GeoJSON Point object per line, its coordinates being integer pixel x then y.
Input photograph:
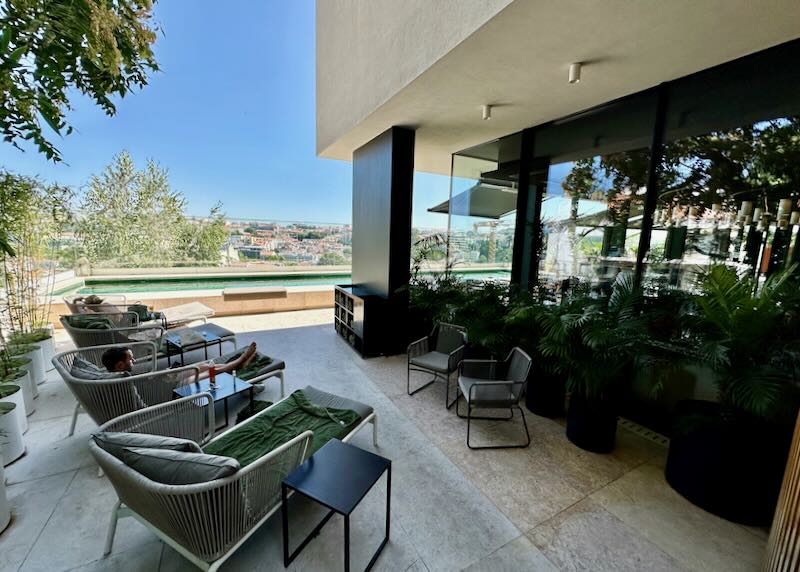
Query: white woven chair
{"type": "Point", "coordinates": [204, 522]}
{"type": "Point", "coordinates": [105, 399]}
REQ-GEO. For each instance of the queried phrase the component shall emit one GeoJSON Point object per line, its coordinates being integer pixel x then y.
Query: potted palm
{"type": "Point", "coordinates": [593, 342]}
{"type": "Point", "coordinates": [728, 456]}
{"type": "Point", "coordinates": [11, 447]}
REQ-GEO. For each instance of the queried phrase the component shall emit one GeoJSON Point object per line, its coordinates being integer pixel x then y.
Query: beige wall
{"type": "Point", "coordinates": [367, 50]}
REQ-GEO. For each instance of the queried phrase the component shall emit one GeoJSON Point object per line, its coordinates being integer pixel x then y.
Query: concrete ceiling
{"type": "Point", "coordinates": [518, 62]}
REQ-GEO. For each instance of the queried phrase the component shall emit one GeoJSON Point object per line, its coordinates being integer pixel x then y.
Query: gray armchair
{"type": "Point", "coordinates": [438, 354]}
{"type": "Point", "coordinates": [490, 384]}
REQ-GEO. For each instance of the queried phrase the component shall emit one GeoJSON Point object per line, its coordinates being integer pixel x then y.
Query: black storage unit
{"type": "Point", "coordinates": [356, 311]}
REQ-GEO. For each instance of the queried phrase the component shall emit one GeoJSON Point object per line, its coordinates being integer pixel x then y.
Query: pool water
{"type": "Point", "coordinates": [173, 284]}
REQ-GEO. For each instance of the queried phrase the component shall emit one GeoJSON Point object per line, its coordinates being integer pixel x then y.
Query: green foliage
{"type": "Point", "coordinates": [134, 218]}
{"type": "Point", "coordinates": [51, 49]}
{"type": "Point", "coordinates": [751, 340]}
{"type": "Point", "coordinates": [332, 259]}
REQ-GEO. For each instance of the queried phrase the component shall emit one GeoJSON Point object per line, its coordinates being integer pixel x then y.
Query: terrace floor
{"type": "Point", "coordinates": [549, 507]}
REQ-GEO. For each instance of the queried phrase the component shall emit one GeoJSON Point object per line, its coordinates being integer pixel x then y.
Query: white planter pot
{"type": "Point", "coordinates": [5, 508]}
{"type": "Point", "coordinates": [27, 385]}
{"type": "Point", "coordinates": [11, 446]}
{"type": "Point", "coordinates": [19, 400]}
{"type": "Point", "coordinates": [35, 369]}
{"type": "Point", "coordinates": [48, 352]}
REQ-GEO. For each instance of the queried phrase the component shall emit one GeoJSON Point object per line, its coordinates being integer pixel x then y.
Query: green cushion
{"type": "Point", "coordinates": [253, 369]}
{"type": "Point", "coordinates": [141, 311]}
{"type": "Point", "coordinates": [283, 422]}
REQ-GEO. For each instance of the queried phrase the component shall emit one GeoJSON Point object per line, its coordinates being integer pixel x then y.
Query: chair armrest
{"type": "Point", "coordinates": [187, 418]}
{"type": "Point", "coordinates": [455, 358]}
{"type": "Point", "coordinates": [261, 479]}
{"type": "Point", "coordinates": [488, 369]}
{"type": "Point", "coordinates": [418, 348]}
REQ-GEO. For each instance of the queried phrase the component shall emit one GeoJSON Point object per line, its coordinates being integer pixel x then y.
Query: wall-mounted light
{"type": "Point", "coordinates": [575, 72]}
{"type": "Point", "coordinates": [486, 112]}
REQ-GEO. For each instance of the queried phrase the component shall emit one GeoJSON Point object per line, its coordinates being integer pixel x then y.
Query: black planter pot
{"type": "Point", "coordinates": [730, 467]}
{"type": "Point", "coordinates": [545, 394]}
{"type": "Point", "coordinates": [592, 424]}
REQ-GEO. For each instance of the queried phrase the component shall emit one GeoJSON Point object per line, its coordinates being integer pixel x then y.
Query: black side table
{"type": "Point", "coordinates": [337, 476]}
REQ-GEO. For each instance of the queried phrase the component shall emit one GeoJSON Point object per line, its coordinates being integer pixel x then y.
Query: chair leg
{"type": "Point", "coordinates": [408, 382]}
{"type": "Point", "coordinates": [375, 430]}
{"type": "Point", "coordinates": [112, 529]}
{"type": "Point", "coordinates": [511, 409]}
{"type": "Point", "coordinates": [74, 419]}
{"type": "Point", "coordinates": [280, 375]}
{"type": "Point", "coordinates": [447, 403]}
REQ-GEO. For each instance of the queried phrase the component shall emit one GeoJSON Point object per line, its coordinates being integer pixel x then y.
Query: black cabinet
{"type": "Point", "coordinates": [359, 317]}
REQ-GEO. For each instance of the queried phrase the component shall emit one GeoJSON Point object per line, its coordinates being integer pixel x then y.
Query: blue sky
{"type": "Point", "coordinates": [231, 116]}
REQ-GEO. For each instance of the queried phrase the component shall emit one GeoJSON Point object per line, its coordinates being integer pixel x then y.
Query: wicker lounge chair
{"type": "Point", "coordinates": [124, 327]}
{"type": "Point", "coordinates": [206, 522]}
{"type": "Point", "coordinates": [172, 317]}
{"type": "Point", "coordinates": [105, 399]}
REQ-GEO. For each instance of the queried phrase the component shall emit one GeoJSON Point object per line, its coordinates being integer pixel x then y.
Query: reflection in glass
{"type": "Point", "coordinates": [727, 197]}
{"type": "Point", "coordinates": [591, 217]}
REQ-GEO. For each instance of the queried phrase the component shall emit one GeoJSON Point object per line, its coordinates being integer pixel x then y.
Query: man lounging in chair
{"type": "Point", "coordinates": [121, 360]}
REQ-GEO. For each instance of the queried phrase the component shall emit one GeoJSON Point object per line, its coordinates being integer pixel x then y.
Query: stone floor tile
{"type": "Point", "coordinates": [519, 554]}
{"type": "Point", "coordinates": [32, 504]}
{"type": "Point", "coordinates": [587, 537]}
{"type": "Point", "coordinates": [699, 540]}
{"type": "Point", "coordinates": [140, 559]}
{"type": "Point", "coordinates": [76, 532]}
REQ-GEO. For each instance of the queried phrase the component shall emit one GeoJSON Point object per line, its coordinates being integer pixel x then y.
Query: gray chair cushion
{"type": "Point", "coordinates": [114, 443]}
{"type": "Point", "coordinates": [323, 399]}
{"type": "Point", "coordinates": [448, 339]}
{"type": "Point", "coordinates": [83, 369]}
{"type": "Point", "coordinates": [434, 361]}
{"type": "Point", "coordinates": [499, 395]}
{"type": "Point", "coordinates": [176, 467]}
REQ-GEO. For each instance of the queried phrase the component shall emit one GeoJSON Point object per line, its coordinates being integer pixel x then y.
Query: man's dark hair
{"type": "Point", "coordinates": [111, 357]}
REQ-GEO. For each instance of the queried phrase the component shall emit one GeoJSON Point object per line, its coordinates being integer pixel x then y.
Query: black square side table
{"type": "Point", "coordinates": [337, 476]}
{"type": "Point", "coordinates": [227, 386]}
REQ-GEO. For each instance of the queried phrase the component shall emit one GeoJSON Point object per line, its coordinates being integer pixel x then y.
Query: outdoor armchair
{"type": "Point", "coordinates": [105, 399]}
{"type": "Point", "coordinates": [491, 384]}
{"type": "Point", "coordinates": [438, 354]}
{"type": "Point", "coordinates": [206, 522]}
{"type": "Point", "coordinates": [108, 328]}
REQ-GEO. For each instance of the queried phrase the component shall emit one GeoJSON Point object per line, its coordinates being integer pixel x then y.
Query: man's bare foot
{"type": "Point", "coordinates": [248, 355]}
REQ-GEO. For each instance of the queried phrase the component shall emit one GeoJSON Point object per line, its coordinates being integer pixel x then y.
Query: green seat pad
{"type": "Point", "coordinates": [259, 365]}
{"type": "Point", "coordinates": [283, 422]}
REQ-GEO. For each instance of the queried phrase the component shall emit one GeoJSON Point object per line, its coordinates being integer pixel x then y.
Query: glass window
{"type": "Point", "coordinates": [482, 206]}
{"type": "Point", "coordinates": [595, 189]}
{"type": "Point", "coordinates": [730, 175]}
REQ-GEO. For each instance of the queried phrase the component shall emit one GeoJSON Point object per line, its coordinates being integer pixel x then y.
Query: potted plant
{"type": "Point", "coordinates": [16, 369]}
{"type": "Point", "coordinates": [11, 447]}
{"type": "Point", "coordinates": [42, 340]}
{"type": "Point", "coordinates": [546, 391]}
{"type": "Point", "coordinates": [31, 355]}
{"type": "Point", "coordinates": [593, 342]}
{"type": "Point", "coordinates": [5, 507]}
{"type": "Point", "coordinates": [728, 456]}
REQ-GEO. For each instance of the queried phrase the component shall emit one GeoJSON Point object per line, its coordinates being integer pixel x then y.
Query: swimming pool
{"type": "Point", "coordinates": [182, 283]}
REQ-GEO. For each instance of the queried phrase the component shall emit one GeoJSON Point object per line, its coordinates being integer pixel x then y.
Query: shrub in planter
{"type": "Point", "coordinates": [11, 446]}
{"type": "Point", "coordinates": [593, 343]}
{"type": "Point", "coordinates": [5, 508]}
{"type": "Point", "coordinates": [12, 393]}
{"type": "Point", "coordinates": [728, 457]}
{"type": "Point", "coordinates": [43, 338]}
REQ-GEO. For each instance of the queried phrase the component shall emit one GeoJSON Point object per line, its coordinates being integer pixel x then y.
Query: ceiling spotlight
{"type": "Point", "coordinates": [487, 112]}
{"type": "Point", "coordinates": [575, 72]}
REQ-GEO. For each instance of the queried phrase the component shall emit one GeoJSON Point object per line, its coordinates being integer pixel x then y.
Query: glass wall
{"type": "Point", "coordinates": [594, 191]}
{"type": "Point", "coordinates": [730, 173]}
{"type": "Point", "coordinates": [721, 148]}
{"type": "Point", "coordinates": [481, 207]}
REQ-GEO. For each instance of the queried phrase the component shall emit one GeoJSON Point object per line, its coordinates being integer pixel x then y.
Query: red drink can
{"type": "Point", "coordinates": [212, 374]}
